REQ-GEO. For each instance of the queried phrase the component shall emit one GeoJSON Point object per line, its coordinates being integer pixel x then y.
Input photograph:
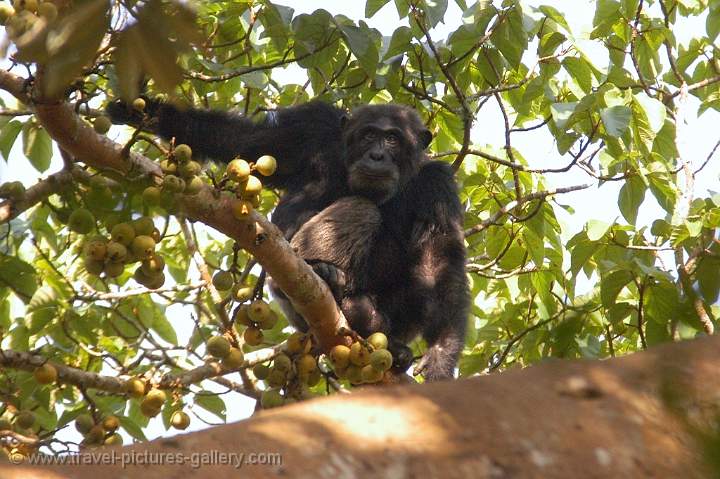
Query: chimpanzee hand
{"type": "Point", "coordinates": [402, 356]}
{"type": "Point", "coordinates": [333, 276]}
{"type": "Point", "coordinates": [123, 113]}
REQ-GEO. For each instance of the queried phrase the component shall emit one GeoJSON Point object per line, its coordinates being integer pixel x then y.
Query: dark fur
{"type": "Point", "coordinates": [377, 220]}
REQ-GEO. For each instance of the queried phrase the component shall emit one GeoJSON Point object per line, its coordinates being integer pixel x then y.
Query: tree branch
{"type": "Point", "coordinates": [653, 413]}
{"type": "Point", "coordinates": [307, 292]}
{"type": "Point", "coordinates": [250, 69]}
{"type": "Point", "coordinates": [25, 361]}
{"type": "Point", "coordinates": [538, 195]}
{"type": "Point", "coordinates": [10, 208]}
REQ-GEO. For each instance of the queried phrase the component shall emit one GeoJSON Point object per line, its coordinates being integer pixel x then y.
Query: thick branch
{"type": "Point", "coordinates": [652, 414]}
{"type": "Point", "coordinates": [308, 293]}
{"type": "Point", "coordinates": [10, 209]}
{"type": "Point", "coordinates": [82, 142]}
{"type": "Point", "coordinates": [15, 85]}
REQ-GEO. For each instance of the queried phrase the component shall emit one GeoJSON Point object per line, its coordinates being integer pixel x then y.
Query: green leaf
{"type": "Point", "coordinates": [45, 418]}
{"type": "Point", "coordinates": [8, 134]}
{"type": "Point", "coordinates": [128, 67]}
{"type": "Point", "coordinates": [653, 109]}
{"type": "Point", "coordinates": [631, 197]}
{"type": "Point", "coordinates": [656, 333]}
{"type": "Point", "coordinates": [42, 308]}
{"type": "Point", "coordinates": [550, 42]}
{"type": "Point", "coordinates": [664, 191]}
{"type": "Point", "coordinates": [18, 275]}
{"type": "Point", "coordinates": [276, 19]}
{"type": "Point", "coordinates": [616, 119]}
{"type": "Point", "coordinates": [510, 38]}
{"type": "Point", "coordinates": [4, 310]}
{"type": "Point", "coordinates": [553, 13]}
{"type": "Point", "coordinates": [257, 79]}
{"type": "Point", "coordinates": [68, 415]}
{"type": "Point", "coordinates": [596, 229]}
{"type": "Point", "coordinates": [618, 312]}
{"type": "Point", "coordinates": [694, 228]}
{"type": "Point", "coordinates": [141, 48]}
{"type": "Point", "coordinates": [464, 39]}
{"type": "Point", "coordinates": [372, 7]}
{"type": "Point", "coordinates": [580, 71]}
{"type": "Point", "coordinates": [402, 7]}
{"type": "Point", "coordinates": [561, 113]}
{"type": "Point", "coordinates": [665, 143]}
{"type": "Point", "coordinates": [399, 43]}
{"type": "Point", "coordinates": [647, 48]}
{"type": "Point", "coordinates": [648, 118]}
{"type": "Point", "coordinates": [211, 403]}
{"type": "Point", "coordinates": [132, 428]}
{"type": "Point", "coordinates": [629, 8]}
{"type": "Point", "coordinates": [38, 319]}
{"type": "Point", "coordinates": [489, 64]}
{"type": "Point", "coordinates": [712, 218]}
{"type": "Point", "coordinates": [73, 43]}
{"type": "Point", "coordinates": [712, 24]}
{"type": "Point", "coordinates": [472, 363]}
{"type": "Point", "coordinates": [679, 234]}
{"type": "Point", "coordinates": [311, 34]}
{"type": "Point", "coordinates": [360, 42]}
{"type": "Point", "coordinates": [165, 330]}
{"type": "Point", "coordinates": [535, 246]}
{"type": "Point", "coordinates": [534, 235]}
{"type": "Point", "coordinates": [661, 301]}
{"type": "Point", "coordinates": [564, 336]}
{"type": "Point", "coordinates": [435, 10]}
{"type": "Point", "coordinates": [542, 283]}
{"type": "Point", "coordinates": [606, 11]}
{"type": "Point", "coordinates": [463, 5]}
{"type": "Point", "coordinates": [581, 254]}
{"type": "Point", "coordinates": [612, 284]}
{"type": "Point", "coordinates": [37, 146]}
{"type": "Point", "coordinates": [496, 241]}
{"type": "Point", "coordinates": [708, 276]}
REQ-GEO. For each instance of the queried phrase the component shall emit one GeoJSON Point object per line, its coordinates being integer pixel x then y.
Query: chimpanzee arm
{"type": "Point", "coordinates": [294, 135]}
{"type": "Point", "coordinates": [438, 279]}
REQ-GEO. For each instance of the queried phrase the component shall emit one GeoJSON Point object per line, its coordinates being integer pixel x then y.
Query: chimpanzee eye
{"type": "Point", "coordinates": [391, 139]}
{"type": "Point", "coordinates": [369, 136]}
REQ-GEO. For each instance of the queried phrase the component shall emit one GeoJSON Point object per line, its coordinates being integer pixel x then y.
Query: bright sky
{"type": "Point", "coordinates": [698, 137]}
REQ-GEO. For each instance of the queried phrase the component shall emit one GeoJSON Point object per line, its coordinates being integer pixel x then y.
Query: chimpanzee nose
{"type": "Point", "coordinates": [376, 155]}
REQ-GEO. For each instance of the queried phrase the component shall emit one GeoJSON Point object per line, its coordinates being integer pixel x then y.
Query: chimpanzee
{"type": "Point", "coordinates": [376, 218]}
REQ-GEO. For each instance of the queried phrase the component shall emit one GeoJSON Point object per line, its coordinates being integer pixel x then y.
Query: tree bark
{"type": "Point", "coordinates": [652, 414]}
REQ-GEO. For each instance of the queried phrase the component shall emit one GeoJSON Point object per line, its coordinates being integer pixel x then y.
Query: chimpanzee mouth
{"type": "Point", "coordinates": [375, 176]}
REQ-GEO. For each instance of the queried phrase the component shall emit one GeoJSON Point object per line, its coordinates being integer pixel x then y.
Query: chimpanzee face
{"type": "Point", "coordinates": [384, 148]}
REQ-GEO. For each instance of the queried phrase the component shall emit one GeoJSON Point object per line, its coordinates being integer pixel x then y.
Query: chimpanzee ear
{"type": "Point", "coordinates": [425, 138]}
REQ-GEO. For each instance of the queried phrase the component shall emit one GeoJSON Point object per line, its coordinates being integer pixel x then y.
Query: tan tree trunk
{"type": "Point", "coordinates": [652, 414]}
